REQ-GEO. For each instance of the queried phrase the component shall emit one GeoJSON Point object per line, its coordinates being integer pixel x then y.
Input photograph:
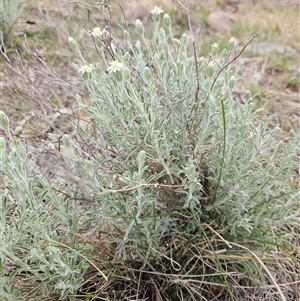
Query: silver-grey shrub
{"type": "Point", "coordinates": [167, 149]}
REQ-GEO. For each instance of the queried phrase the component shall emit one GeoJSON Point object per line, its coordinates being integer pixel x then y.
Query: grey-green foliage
{"type": "Point", "coordinates": [192, 131]}
{"type": "Point", "coordinates": [10, 10]}
{"type": "Point", "coordinates": [168, 147]}
{"type": "Point", "coordinates": [31, 239]}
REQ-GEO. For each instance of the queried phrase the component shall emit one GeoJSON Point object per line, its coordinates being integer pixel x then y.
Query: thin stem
{"type": "Point", "coordinates": [224, 147]}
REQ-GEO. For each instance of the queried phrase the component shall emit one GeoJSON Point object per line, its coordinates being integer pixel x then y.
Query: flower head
{"type": "Point", "coordinates": [156, 10]}
{"type": "Point", "coordinates": [115, 66]}
{"type": "Point", "coordinates": [85, 69]}
{"type": "Point", "coordinates": [97, 32]}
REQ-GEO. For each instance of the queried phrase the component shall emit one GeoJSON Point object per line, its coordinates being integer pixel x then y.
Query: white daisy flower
{"type": "Point", "coordinates": [97, 32]}
{"type": "Point", "coordinates": [115, 66]}
{"type": "Point", "coordinates": [85, 69]}
{"type": "Point", "coordinates": [156, 10]}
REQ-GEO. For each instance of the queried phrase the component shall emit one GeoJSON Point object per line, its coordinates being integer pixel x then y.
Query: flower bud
{"type": "Point", "coordinates": [292, 134]}
{"type": "Point", "coordinates": [73, 44]}
{"type": "Point", "coordinates": [126, 57]}
{"type": "Point", "coordinates": [232, 42]}
{"type": "Point", "coordinates": [184, 39]}
{"type": "Point", "coordinates": [66, 139]}
{"type": "Point", "coordinates": [167, 21]}
{"type": "Point", "coordinates": [210, 65]}
{"type": "Point", "coordinates": [231, 82]}
{"type": "Point", "coordinates": [201, 63]}
{"type": "Point", "coordinates": [147, 73]}
{"type": "Point", "coordinates": [176, 42]}
{"type": "Point", "coordinates": [224, 53]}
{"type": "Point", "coordinates": [18, 131]}
{"type": "Point", "coordinates": [210, 68]}
{"type": "Point", "coordinates": [247, 95]}
{"type": "Point", "coordinates": [141, 158]}
{"type": "Point", "coordinates": [214, 49]}
{"type": "Point", "coordinates": [139, 27]}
